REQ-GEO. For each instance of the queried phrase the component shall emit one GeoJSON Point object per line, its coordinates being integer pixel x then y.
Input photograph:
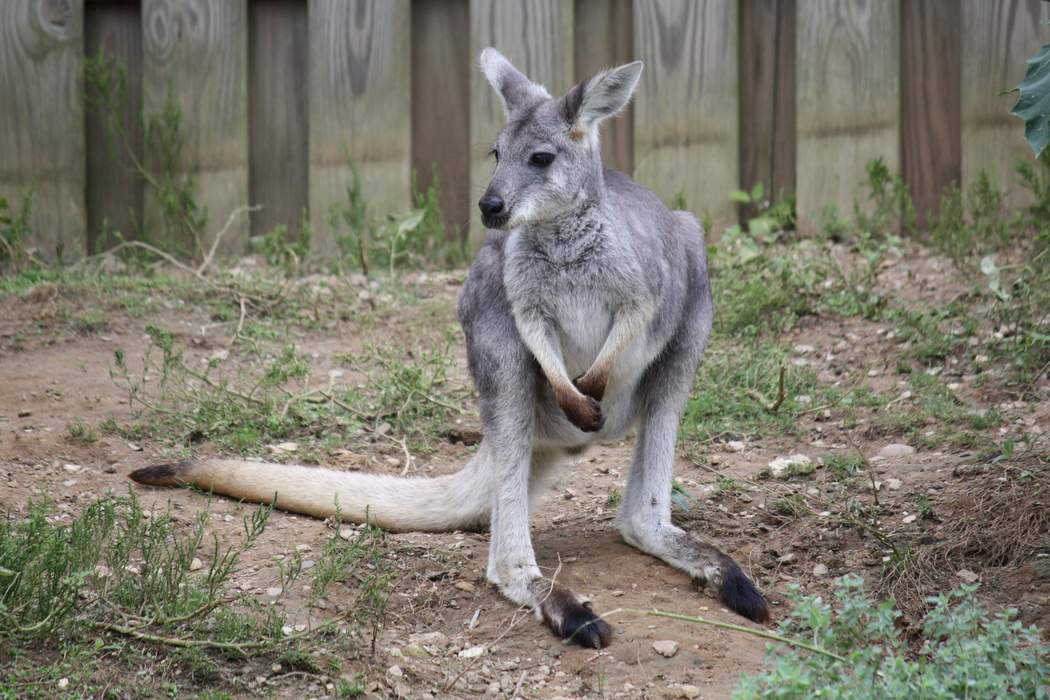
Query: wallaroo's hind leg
{"type": "Point", "coordinates": [645, 517]}
{"type": "Point", "coordinates": [512, 561]}
{"type": "Point", "coordinates": [645, 522]}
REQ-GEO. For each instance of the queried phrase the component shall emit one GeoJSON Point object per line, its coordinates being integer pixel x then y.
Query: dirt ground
{"type": "Point", "coordinates": [53, 374]}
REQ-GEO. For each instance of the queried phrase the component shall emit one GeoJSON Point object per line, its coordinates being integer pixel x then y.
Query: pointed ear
{"type": "Point", "coordinates": [601, 97]}
{"type": "Point", "coordinates": [509, 83]}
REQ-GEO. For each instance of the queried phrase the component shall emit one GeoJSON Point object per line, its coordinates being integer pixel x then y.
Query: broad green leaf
{"type": "Point", "coordinates": [758, 192]}
{"type": "Point", "coordinates": [1034, 104]}
{"type": "Point", "coordinates": [411, 221]}
{"type": "Point", "coordinates": [740, 197]}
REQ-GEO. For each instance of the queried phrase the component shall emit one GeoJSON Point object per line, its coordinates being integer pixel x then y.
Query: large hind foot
{"type": "Point", "coordinates": [568, 616]}
{"type": "Point", "coordinates": [706, 564]}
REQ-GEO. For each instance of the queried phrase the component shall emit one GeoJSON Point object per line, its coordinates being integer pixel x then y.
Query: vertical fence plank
{"type": "Point", "coordinates": [197, 51]}
{"type": "Point", "coordinates": [686, 121]}
{"type": "Point", "coordinates": [931, 149]}
{"type": "Point", "coordinates": [277, 122]}
{"type": "Point", "coordinates": [604, 37]}
{"type": "Point", "coordinates": [848, 106]}
{"type": "Point", "coordinates": [359, 106]}
{"type": "Point", "coordinates": [997, 37]}
{"type": "Point", "coordinates": [114, 187]}
{"type": "Point", "coordinates": [441, 107]}
{"type": "Point", "coordinates": [42, 118]}
{"type": "Point", "coordinates": [536, 36]}
{"type": "Point", "coordinates": [767, 95]}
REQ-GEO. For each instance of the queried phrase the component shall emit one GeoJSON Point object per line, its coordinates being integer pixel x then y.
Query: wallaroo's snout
{"type": "Point", "coordinates": [493, 210]}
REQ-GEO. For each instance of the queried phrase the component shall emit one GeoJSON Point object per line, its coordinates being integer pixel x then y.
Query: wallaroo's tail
{"type": "Point", "coordinates": [459, 501]}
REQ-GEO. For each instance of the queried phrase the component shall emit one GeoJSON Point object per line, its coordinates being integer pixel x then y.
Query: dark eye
{"type": "Point", "coordinates": [495, 154]}
{"type": "Point", "coordinates": [541, 159]}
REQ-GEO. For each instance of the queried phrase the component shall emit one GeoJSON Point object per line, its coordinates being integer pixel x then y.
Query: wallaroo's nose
{"type": "Point", "coordinates": [491, 204]}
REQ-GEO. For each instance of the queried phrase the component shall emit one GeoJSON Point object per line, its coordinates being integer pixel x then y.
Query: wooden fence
{"type": "Point", "coordinates": [276, 94]}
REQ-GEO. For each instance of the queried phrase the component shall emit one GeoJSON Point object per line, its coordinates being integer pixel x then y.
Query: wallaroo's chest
{"type": "Point", "coordinates": [579, 262]}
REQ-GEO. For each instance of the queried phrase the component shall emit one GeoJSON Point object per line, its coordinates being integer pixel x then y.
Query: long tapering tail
{"type": "Point", "coordinates": [459, 501]}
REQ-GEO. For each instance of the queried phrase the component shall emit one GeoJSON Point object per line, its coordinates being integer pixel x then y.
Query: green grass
{"type": "Point", "coordinates": [84, 599]}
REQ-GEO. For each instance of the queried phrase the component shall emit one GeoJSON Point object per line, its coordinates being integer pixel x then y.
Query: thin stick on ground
{"type": "Point", "coordinates": [730, 626]}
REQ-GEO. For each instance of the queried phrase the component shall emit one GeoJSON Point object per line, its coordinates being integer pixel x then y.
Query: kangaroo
{"type": "Point", "coordinates": [586, 312]}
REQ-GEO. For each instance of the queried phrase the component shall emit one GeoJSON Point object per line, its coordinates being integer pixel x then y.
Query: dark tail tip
{"type": "Point", "coordinates": [163, 474]}
{"type": "Point", "coordinates": [740, 595]}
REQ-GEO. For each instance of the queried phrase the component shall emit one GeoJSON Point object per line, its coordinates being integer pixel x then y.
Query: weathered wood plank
{"type": "Point", "coordinates": [997, 37]}
{"type": "Point", "coordinates": [114, 186]}
{"type": "Point", "coordinates": [360, 87]}
{"type": "Point", "coordinates": [767, 95]}
{"type": "Point", "coordinates": [277, 123]}
{"type": "Point", "coordinates": [441, 107]}
{"type": "Point", "coordinates": [848, 98]}
{"type": "Point", "coordinates": [604, 37]}
{"type": "Point", "coordinates": [42, 119]}
{"type": "Point", "coordinates": [536, 36]}
{"type": "Point", "coordinates": [931, 146]}
{"type": "Point", "coordinates": [198, 51]}
{"type": "Point", "coordinates": [686, 122]}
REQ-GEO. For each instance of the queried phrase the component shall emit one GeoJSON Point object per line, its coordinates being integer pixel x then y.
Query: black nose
{"type": "Point", "coordinates": [491, 204]}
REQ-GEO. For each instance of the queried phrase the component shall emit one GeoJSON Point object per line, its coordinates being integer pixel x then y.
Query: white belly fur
{"type": "Point", "coordinates": [582, 330]}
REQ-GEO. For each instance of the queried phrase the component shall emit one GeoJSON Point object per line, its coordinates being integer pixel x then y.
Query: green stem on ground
{"type": "Point", "coordinates": [735, 628]}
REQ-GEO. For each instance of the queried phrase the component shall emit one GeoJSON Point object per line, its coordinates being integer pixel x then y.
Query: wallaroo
{"type": "Point", "coordinates": [586, 313]}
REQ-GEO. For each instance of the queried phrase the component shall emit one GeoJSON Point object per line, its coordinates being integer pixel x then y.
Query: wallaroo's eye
{"type": "Point", "coordinates": [541, 159]}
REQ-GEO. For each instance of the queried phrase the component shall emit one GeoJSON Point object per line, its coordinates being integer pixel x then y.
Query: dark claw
{"type": "Point", "coordinates": [581, 626]}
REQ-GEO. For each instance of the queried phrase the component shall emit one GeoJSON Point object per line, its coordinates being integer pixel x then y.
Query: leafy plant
{"type": "Point", "coordinates": [15, 232]}
{"type": "Point", "coordinates": [892, 209]}
{"type": "Point", "coordinates": [1033, 104]}
{"type": "Point", "coordinates": [854, 650]}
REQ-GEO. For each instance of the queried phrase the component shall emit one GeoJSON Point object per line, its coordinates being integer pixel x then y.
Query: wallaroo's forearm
{"type": "Point", "coordinates": [628, 324]}
{"type": "Point", "coordinates": [544, 347]}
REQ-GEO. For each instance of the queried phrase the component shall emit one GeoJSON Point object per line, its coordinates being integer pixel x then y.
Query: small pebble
{"type": "Point", "coordinates": [665, 647]}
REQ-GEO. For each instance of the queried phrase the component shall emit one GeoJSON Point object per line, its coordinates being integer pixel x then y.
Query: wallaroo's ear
{"type": "Point", "coordinates": [509, 83]}
{"type": "Point", "coordinates": [601, 97]}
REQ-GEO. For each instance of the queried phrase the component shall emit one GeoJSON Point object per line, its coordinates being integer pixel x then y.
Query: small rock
{"type": "Point", "coordinates": [735, 445]}
{"type": "Point", "coordinates": [688, 691]}
{"type": "Point", "coordinates": [415, 651]}
{"type": "Point", "coordinates": [196, 564]}
{"type": "Point", "coordinates": [820, 570]}
{"type": "Point", "coordinates": [395, 672]}
{"type": "Point", "coordinates": [384, 428]}
{"type": "Point", "coordinates": [346, 533]}
{"type": "Point", "coordinates": [895, 450]}
{"type": "Point", "coordinates": [967, 576]}
{"type": "Point", "coordinates": [909, 519]}
{"type": "Point", "coordinates": [665, 647]}
{"type": "Point", "coordinates": [465, 586]}
{"type": "Point", "coordinates": [276, 668]}
{"type": "Point", "coordinates": [792, 465]}
{"type": "Point", "coordinates": [72, 468]}
{"type": "Point", "coordinates": [429, 639]}
{"type": "Point", "coordinates": [804, 349]}
{"type": "Point", "coordinates": [893, 484]}
{"type": "Point", "coordinates": [274, 591]}
{"type": "Point", "coordinates": [569, 494]}
{"type": "Point", "coordinates": [110, 469]}
{"type": "Point", "coordinates": [472, 652]}
{"type": "Point", "coordinates": [134, 447]}
{"type": "Point", "coordinates": [285, 447]}
{"type": "Point", "coordinates": [63, 683]}
{"type": "Point", "coordinates": [786, 558]}
{"type": "Point", "coordinates": [25, 414]}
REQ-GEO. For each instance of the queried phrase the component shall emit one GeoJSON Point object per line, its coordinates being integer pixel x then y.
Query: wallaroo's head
{"type": "Point", "coordinates": [548, 159]}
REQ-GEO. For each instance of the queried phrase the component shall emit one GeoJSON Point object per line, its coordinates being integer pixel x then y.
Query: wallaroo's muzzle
{"type": "Point", "coordinates": [493, 211]}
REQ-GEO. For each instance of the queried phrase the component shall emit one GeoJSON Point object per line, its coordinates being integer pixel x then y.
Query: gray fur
{"type": "Point", "coordinates": [585, 281]}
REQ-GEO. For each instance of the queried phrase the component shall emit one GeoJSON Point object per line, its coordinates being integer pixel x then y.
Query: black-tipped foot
{"type": "Point", "coordinates": [581, 626]}
{"type": "Point", "coordinates": [740, 595]}
{"type": "Point", "coordinates": [163, 474]}
{"type": "Point", "coordinates": [571, 619]}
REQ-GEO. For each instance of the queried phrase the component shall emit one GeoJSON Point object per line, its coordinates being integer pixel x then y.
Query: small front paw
{"type": "Point", "coordinates": [583, 411]}
{"type": "Point", "coordinates": [592, 385]}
